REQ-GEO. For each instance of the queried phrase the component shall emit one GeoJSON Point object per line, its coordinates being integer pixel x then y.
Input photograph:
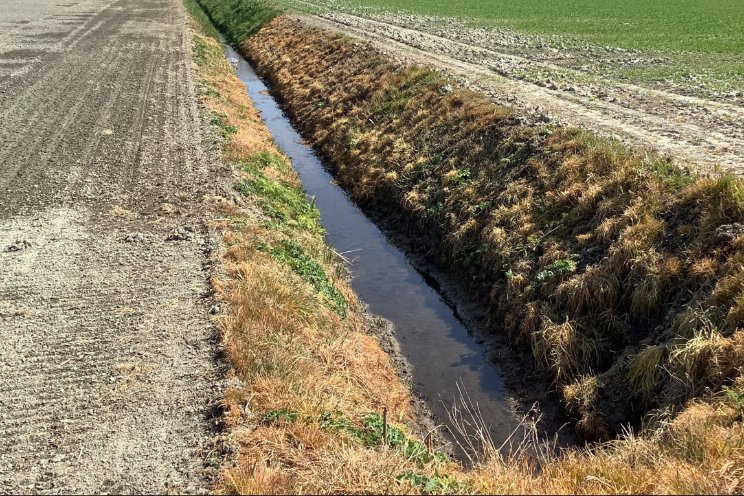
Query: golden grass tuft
{"type": "Point", "coordinates": [634, 241]}
{"type": "Point", "coordinates": [564, 349]}
{"type": "Point", "coordinates": [594, 289]}
{"type": "Point", "coordinates": [608, 229]}
{"type": "Point", "coordinates": [644, 370]}
{"type": "Point", "coordinates": [702, 269]}
{"type": "Point", "coordinates": [735, 315]}
{"type": "Point", "coordinates": [580, 395]}
{"type": "Point", "coordinates": [730, 286]}
{"type": "Point", "coordinates": [721, 198]}
{"type": "Point", "coordinates": [708, 359]}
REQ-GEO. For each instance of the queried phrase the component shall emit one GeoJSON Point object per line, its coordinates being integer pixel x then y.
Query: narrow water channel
{"type": "Point", "coordinates": [436, 344]}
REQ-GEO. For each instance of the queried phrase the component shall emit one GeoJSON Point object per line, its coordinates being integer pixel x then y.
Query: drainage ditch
{"type": "Point", "coordinates": [448, 364]}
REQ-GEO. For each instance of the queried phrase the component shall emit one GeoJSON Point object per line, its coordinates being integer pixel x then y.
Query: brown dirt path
{"type": "Point", "coordinates": [108, 369]}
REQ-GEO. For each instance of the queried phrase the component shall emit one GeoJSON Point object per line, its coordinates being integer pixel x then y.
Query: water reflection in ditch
{"type": "Point", "coordinates": [443, 356]}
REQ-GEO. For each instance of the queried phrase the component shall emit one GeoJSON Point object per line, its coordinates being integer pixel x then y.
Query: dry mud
{"type": "Point", "coordinates": [108, 364]}
{"type": "Point", "coordinates": [697, 132]}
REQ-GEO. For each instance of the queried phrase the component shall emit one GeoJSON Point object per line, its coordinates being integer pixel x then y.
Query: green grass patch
{"type": "Point", "coordinates": [265, 159]}
{"type": "Point", "coordinates": [726, 197]}
{"type": "Point", "coordinates": [239, 19]}
{"type": "Point", "coordinates": [280, 415]}
{"type": "Point", "coordinates": [685, 25]}
{"type": "Point", "coordinates": [371, 433]}
{"type": "Point", "coordinates": [295, 257]}
{"type": "Point", "coordinates": [439, 484]}
{"type": "Point", "coordinates": [670, 174]}
{"type": "Point", "coordinates": [285, 204]}
{"type": "Point", "coordinates": [201, 52]}
{"type": "Point", "coordinates": [557, 269]}
{"type": "Point", "coordinates": [734, 397]}
{"type": "Point", "coordinates": [289, 211]}
{"type": "Point", "coordinates": [197, 13]}
{"type": "Point", "coordinates": [226, 129]}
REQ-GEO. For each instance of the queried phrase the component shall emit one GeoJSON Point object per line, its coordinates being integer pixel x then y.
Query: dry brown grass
{"type": "Point", "coordinates": [289, 350]}
{"type": "Point", "coordinates": [612, 245]}
{"type": "Point", "coordinates": [699, 452]}
{"type": "Point", "coordinates": [594, 289]}
{"type": "Point", "coordinates": [565, 349]}
{"type": "Point", "coordinates": [293, 352]}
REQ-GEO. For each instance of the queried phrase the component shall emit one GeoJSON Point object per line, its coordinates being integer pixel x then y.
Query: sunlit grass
{"type": "Point", "coordinates": [648, 317]}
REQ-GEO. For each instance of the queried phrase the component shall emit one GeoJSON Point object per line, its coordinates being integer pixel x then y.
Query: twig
{"type": "Point", "coordinates": [340, 255]}
{"type": "Point", "coordinates": [350, 251]}
{"type": "Point", "coordinates": [384, 427]}
{"type": "Point", "coordinates": [539, 240]}
{"type": "Point", "coordinates": [429, 443]}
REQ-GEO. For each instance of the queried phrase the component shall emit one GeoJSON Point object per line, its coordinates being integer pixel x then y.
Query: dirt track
{"type": "Point", "coordinates": [108, 369]}
{"type": "Point", "coordinates": [697, 132]}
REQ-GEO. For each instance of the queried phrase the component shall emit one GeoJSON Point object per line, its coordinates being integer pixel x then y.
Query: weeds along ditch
{"type": "Point", "coordinates": [622, 274]}
{"type": "Point", "coordinates": [314, 404]}
{"type": "Point", "coordinates": [444, 363]}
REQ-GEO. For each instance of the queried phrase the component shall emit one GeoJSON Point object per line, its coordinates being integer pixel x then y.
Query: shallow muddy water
{"type": "Point", "coordinates": [444, 358]}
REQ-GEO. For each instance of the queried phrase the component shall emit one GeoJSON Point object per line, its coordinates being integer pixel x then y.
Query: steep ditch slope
{"type": "Point", "coordinates": [619, 271]}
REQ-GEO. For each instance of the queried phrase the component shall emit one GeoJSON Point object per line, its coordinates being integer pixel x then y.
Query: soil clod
{"type": "Point", "coordinates": [19, 245]}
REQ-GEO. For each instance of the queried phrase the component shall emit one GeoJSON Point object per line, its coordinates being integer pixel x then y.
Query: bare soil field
{"type": "Point", "coordinates": [571, 86]}
{"type": "Point", "coordinates": [108, 360]}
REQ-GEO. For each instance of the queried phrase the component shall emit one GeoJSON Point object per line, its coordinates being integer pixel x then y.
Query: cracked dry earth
{"type": "Point", "coordinates": [700, 133]}
{"type": "Point", "coordinates": [108, 367]}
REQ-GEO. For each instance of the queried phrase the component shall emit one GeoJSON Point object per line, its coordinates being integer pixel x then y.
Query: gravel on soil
{"type": "Point", "coordinates": [109, 374]}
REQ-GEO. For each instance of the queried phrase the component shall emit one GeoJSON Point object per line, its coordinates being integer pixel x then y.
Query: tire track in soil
{"type": "Point", "coordinates": [108, 368]}
{"type": "Point", "coordinates": [643, 117]}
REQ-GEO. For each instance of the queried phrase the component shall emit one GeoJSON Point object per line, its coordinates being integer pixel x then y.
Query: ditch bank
{"type": "Point", "coordinates": [433, 351]}
{"type": "Point", "coordinates": [622, 275]}
{"type": "Point", "coordinates": [314, 405]}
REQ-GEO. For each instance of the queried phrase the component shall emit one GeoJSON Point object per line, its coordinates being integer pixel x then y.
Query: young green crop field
{"type": "Point", "coordinates": [710, 26]}
{"type": "Point", "coordinates": [700, 42]}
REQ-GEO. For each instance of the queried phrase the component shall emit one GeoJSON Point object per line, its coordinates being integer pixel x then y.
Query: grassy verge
{"type": "Point", "coordinates": [237, 19]}
{"type": "Point", "coordinates": [305, 411]}
{"type": "Point", "coordinates": [621, 273]}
